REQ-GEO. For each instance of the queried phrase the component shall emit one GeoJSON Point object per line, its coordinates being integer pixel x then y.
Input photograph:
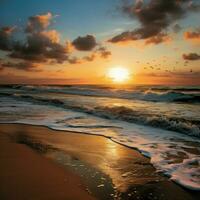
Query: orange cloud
{"type": "Point", "coordinates": [193, 36]}
{"type": "Point", "coordinates": [160, 38]}
{"type": "Point", "coordinates": [39, 22]}
{"type": "Point", "coordinates": [155, 17]}
{"type": "Point", "coordinates": [53, 35]}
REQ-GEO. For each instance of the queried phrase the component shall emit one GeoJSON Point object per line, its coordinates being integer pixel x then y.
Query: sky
{"type": "Point", "coordinates": [78, 42]}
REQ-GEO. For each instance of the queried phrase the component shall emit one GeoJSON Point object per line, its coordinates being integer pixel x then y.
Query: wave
{"type": "Point", "coordinates": [186, 126]}
{"type": "Point", "coordinates": [169, 96]}
{"type": "Point", "coordinates": [155, 94]}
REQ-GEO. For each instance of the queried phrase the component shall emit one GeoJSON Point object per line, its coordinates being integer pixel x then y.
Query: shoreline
{"type": "Point", "coordinates": [121, 169]}
{"type": "Point", "coordinates": [79, 132]}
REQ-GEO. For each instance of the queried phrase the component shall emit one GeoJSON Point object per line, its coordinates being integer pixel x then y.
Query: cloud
{"type": "Point", "coordinates": [155, 16]}
{"type": "Point", "coordinates": [176, 28]}
{"type": "Point", "coordinates": [74, 60]}
{"type": "Point", "coordinates": [192, 35]}
{"type": "Point", "coordinates": [53, 35]}
{"type": "Point", "coordinates": [38, 22]}
{"type": "Point", "coordinates": [26, 66]}
{"type": "Point", "coordinates": [193, 7]}
{"type": "Point", "coordinates": [5, 40]}
{"type": "Point", "coordinates": [191, 56]}
{"type": "Point", "coordinates": [1, 67]}
{"type": "Point", "coordinates": [90, 58]}
{"type": "Point", "coordinates": [103, 52]}
{"type": "Point", "coordinates": [41, 45]}
{"type": "Point", "coordinates": [159, 38]}
{"type": "Point", "coordinates": [85, 43]}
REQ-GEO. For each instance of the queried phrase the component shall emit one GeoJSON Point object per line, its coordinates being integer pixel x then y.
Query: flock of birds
{"type": "Point", "coordinates": [158, 67]}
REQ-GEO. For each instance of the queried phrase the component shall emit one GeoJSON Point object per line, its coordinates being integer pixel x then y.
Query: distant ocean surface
{"type": "Point", "coordinates": [162, 122]}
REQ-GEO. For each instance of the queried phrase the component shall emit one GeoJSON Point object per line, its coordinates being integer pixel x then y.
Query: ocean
{"type": "Point", "coordinates": [161, 122]}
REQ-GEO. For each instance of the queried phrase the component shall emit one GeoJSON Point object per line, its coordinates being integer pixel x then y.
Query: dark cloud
{"type": "Point", "coordinates": [5, 40]}
{"type": "Point", "coordinates": [41, 45]}
{"type": "Point", "coordinates": [191, 56]}
{"type": "Point", "coordinates": [103, 52]}
{"type": "Point", "coordinates": [39, 48]}
{"type": "Point", "coordinates": [155, 16]}
{"type": "Point", "coordinates": [26, 66]}
{"type": "Point", "coordinates": [123, 37]}
{"type": "Point", "coordinates": [1, 67]}
{"type": "Point", "coordinates": [85, 43]}
{"type": "Point", "coordinates": [176, 28]}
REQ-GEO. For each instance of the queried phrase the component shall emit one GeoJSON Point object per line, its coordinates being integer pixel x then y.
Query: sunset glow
{"type": "Point", "coordinates": [118, 74]}
{"type": "Point", "coordinates": [50, 44]}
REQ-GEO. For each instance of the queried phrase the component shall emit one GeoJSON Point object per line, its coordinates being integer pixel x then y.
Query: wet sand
{"type": "Point", "coordinates": [24, 174]}
{"type": "Point", "coordinates": [40, 163]}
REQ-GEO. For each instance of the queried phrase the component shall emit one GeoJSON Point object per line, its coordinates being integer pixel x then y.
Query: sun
{"type": "Point", "coordinates": [118, 74]}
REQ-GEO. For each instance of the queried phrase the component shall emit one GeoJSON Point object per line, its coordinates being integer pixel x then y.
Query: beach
{"type": "Point", "coordinates": [100, 100]}
{"type": "Point", "coordinates": [137, 117]}
{"type": "Point", "coordinates": [39, 163]}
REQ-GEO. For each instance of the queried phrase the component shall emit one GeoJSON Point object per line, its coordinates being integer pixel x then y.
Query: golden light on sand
{"type": "Point", "coordinates": [118, 74]}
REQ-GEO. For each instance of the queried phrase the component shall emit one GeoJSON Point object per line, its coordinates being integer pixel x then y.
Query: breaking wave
{"type": "Point", "coordinates": [155, 94]}
{"type": "Point", "coordinates": [186, 126]}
